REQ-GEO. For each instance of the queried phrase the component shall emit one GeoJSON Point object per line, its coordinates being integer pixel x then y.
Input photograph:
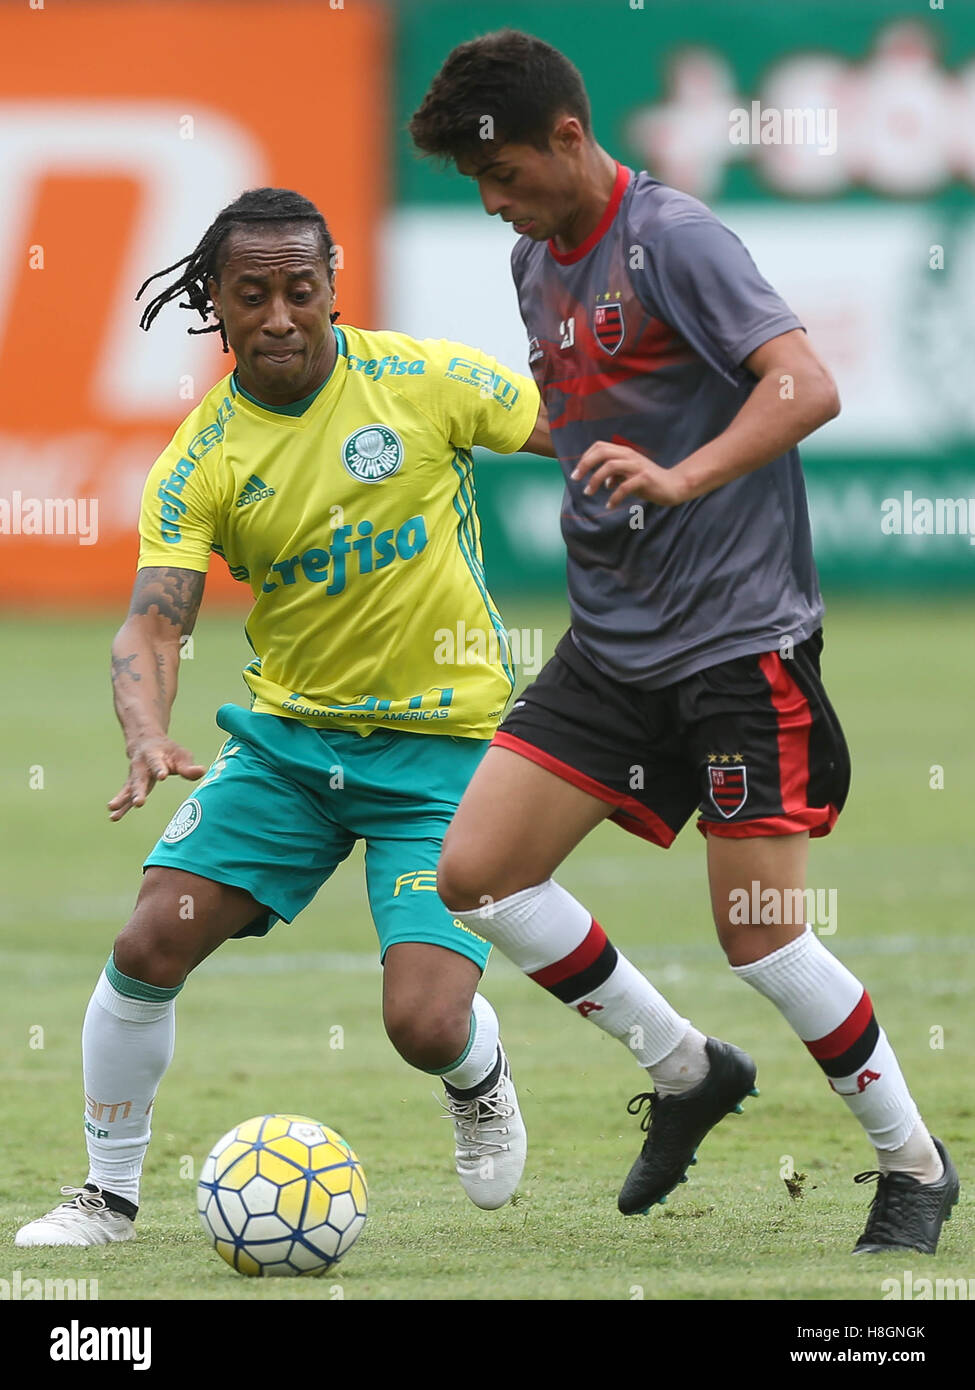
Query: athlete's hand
{"type": "Point", "coordinates": [629, 474]}
{"type": "Point", "coordinates": [151, 761]}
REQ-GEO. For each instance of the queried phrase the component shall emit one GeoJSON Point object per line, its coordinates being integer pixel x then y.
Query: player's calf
{"type": "Point", "coordinates": [179, 919]}
{"type": "Point", "coordinates": [127, 1044]}
{"type": "Point", "coordinates": [558, 944]}
{"type": "Point", "coordinates": [832, 1013]}
{"type": "Point", "coordinates": [438, 1023]}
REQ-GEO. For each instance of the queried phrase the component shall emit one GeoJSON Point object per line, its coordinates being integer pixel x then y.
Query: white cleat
{"type": "Point", "coordinates": [84, 1220]}
{"type": "Point", "coordinates": [490, 1142]}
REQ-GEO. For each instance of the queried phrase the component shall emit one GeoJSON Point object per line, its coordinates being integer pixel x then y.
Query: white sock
{"type": "Point", "coordinates": [554, 940]}
{"type": "Point", "coordinates": [686, 1066]}
{"type": "Point", "coordinates": [917, 1157]}
{"type": "Point", "coordinates": [831, 1011]}
{"type": "Point", "coordinates": [126, 1044]}
{"type": "Point", "coordinates": [480, 1058]}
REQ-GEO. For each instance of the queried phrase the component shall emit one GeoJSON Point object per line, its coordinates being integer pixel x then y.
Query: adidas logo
{"type": "Point", "coordinates": [253, 491]}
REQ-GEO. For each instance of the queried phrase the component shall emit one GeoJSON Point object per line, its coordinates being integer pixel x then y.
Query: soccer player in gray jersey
{"type": "Point", "coordinates": [677, 385]}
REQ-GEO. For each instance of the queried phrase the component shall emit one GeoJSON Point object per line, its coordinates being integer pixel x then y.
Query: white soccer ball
{"type": "Point", "coordinates": [282, 1195]}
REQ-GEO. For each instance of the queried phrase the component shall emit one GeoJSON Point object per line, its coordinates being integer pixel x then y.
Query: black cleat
{"type": "Point", "coordinates": [675, 1125]}
{"type": "Point", "coordinates": [906, 1214]}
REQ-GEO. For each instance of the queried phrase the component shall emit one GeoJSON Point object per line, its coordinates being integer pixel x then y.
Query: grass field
{"type": "Point", "coordinates": [253, 1024]}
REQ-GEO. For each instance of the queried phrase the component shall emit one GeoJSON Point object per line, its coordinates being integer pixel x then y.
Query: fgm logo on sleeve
{"type": "Point", "coordinates": [373, 453]}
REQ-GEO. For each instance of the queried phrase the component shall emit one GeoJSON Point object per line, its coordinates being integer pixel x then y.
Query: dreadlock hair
{"type": "Point", "coordinates": [276, 206]}
{"type": "Point", "coordinates": [520, 81]}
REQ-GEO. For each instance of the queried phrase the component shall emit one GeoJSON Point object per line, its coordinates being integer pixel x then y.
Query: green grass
{"type": "Point", "coordinates": [253, 1024]}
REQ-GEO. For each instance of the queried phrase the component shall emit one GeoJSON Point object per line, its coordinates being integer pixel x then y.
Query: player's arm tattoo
{"type": "Point", "coordinates": [122, 666]}
{"type": "Point", "coordinates": [174, 594]}
{"type": "Point", "coordinates": [161, 673]}
{"type": "Point", "coordinates": [152, 650]}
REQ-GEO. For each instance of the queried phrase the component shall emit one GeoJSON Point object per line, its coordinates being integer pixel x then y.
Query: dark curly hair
{"type": "Point", "coordinates": [521, 82]}
{"type": "Point", "coordinates": [265, 206]}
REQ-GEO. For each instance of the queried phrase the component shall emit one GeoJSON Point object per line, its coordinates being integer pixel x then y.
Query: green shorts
{"type": "Point", "coordinates": [283, 805]}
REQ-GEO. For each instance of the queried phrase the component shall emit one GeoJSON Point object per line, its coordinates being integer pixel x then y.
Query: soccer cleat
{"type": "Point", "coordinates": [906, 1214]}
{"type": "Point", "coordinates": [675, 1125]}
{"type": "Point", "coordinates": [86, 1219]}
{"type": "Point", "coordinates": [490, 1143]}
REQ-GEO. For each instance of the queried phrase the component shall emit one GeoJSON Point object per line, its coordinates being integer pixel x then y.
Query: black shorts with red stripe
{"type": "Point", "coordinates": [753, 744]}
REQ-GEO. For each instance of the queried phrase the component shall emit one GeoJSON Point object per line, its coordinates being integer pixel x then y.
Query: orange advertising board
{"type": "Point", "coordinates": [124, 129]}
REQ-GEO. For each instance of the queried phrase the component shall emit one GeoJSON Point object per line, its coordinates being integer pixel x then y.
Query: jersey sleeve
{"type": "Point", "coordinates": [481, 401]}
{"type": "Point", "coordinates": [177, 522]}
{"type": "Point", "coordinates": [699, 278]}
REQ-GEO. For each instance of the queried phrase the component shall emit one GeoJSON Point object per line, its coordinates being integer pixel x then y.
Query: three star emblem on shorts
{"type": "Point", "coordinates": [728, 782]}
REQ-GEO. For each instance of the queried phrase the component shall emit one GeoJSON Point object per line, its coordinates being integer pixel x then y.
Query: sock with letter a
{"type": "Point", "coordinates": [558, 944]}
{"type": "Point", "coordinates": [831, 1011]}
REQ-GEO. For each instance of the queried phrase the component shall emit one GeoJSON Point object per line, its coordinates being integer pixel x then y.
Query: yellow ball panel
{"type": "Point", "coordinates": [274, 1127]}
{"type": "Point", "coordinates": [328, 1156]}
{"type": "Point", "coordinates": [250, 1129]}
{"type": "Point", "coordinates": [319, 1205]}
{"type": "Point", "coordinates": [225, 1250]}
{"type": "Point", "coordinates": [271, 1165]}
{"type": "Point", "coordinates": [290, 1147]}
{"type": "Point", "coordinates": [336, 1180]}
{"type": "Point", "coordinates": [246, 1265]}
{"type": "Point", "coordinates": [240, 1172]}
{"type": "Point", "coordinates": [230, 1155]}
{"type": "Point", "coordinates": [335, 1138]}
{"type": "Point", "coordinates": [358, 1189]}
{"type": "Point", "coordinates": [291, 1200]}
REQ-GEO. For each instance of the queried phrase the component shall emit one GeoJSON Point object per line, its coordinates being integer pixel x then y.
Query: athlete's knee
{"type": "Point", "coordinates": [160, 944]}
{"type": "Point", "coordinates": [746, 945]}
{"type": "Point", "coordinates": [468, 881]}
{"type": "Point", "coordinates": [459, 879]}
{"type": "Point", "coordinates": [429, 1035]}
{"type": "Point", "coordinates": [146, 950]}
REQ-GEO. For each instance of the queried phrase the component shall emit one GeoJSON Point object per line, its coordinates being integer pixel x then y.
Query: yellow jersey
{"type": "Point", "coordinates": [351, 515]}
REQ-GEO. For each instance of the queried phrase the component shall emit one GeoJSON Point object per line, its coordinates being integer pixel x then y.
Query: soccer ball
{"type": "Point", "coordinates": [282, 1194]}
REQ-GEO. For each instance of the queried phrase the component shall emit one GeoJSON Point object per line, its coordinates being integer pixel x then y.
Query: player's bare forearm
{"type": "Point", "coordinates": [793, 396]}
{"type": "Point", "coordinates": [145, 666]}
{"type": "Point", "coordinates": [145, 653]}
{"type": "Point", "coordinates": [777, 416]}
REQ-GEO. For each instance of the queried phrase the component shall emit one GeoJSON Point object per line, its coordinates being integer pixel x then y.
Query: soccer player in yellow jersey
{"type": "Point", "coordinates": [332, 471]}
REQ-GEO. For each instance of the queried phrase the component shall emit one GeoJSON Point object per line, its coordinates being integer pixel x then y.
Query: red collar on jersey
{"type": "Point", "coordinates": [602, 226]}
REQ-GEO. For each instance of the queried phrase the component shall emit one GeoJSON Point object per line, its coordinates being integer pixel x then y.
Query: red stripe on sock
{"type": "Point", "coordinates": [843, 1037]}
{"type": "Point", "coordinates": [584, 954]}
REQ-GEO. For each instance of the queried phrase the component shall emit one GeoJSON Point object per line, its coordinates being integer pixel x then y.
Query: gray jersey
{"type": "Point", "coordinates": [638, 336]}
